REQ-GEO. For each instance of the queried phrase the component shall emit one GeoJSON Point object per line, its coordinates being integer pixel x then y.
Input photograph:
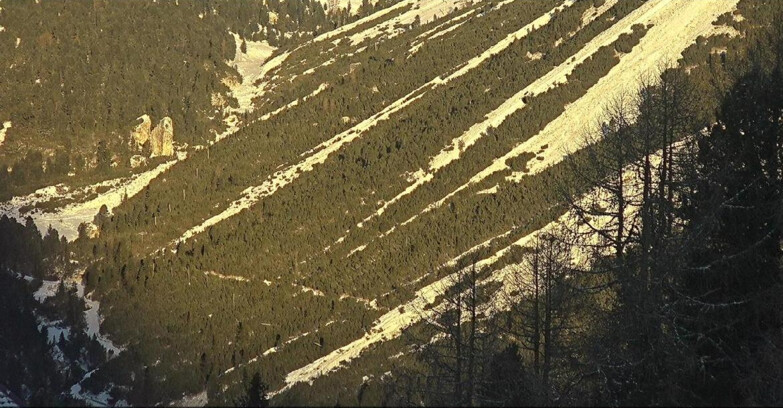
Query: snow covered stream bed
{"type": "Point", "coordinates": [56, 329]}
{"type": "Point", "coordinates": [67, 218]}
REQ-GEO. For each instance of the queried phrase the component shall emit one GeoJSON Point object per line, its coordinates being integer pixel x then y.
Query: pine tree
{"type": "Point", "coordinates": [256, 393]}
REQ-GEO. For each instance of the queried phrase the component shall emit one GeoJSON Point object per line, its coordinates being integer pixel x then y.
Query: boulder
{"type": "Point", "coordinates": [162, 138]}
{"type": "Point", "coordinates": [141, 133]}
{"type": "Point", "coordinates": [218, 100]}
{"type": "Point", "coordinates": [91, 230]}
{"type": "Point", "coordinates": [137, 161]}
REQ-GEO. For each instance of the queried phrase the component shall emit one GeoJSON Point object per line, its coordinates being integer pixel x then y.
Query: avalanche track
{"type": "Point", "coordinates": [453, 151]}
{"type": "Point", "coordinates": [676, 24]}
{"type": "Point", "coordinates": [320, 153]}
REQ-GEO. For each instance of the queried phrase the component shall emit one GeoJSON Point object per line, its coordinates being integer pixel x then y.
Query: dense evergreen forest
{"type": "Point", "coordinates": [650, 272]}
{"type": "Point", "coordinates": [678, 304]}
{"type": "Point", "coordinates": [78, 74]}
{"type": "Point", "coordinates": [44, 348]}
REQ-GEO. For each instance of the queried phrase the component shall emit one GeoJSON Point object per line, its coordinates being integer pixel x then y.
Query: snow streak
{"type": "Point", "coordinates": [320, 153]}
{"type": "Point", "coordinates": [677, 23]}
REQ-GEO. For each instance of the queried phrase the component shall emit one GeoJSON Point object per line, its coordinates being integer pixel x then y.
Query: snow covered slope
{"type": "Point", "coordinates": [675, 25]}
{"type": "Point", "coordinates": [320, 153]}
{"type": "Point", "coordinates": [361, 170]}
{"type": "Point", "coordinates": [66, 219]}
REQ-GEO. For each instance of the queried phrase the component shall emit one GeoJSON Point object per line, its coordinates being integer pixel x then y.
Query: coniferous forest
{"type": "Point", "coordinates": [392, 203]}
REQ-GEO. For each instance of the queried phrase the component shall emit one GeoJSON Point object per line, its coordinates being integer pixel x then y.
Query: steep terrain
{"type": "Point", "coordinates": [346, 179]}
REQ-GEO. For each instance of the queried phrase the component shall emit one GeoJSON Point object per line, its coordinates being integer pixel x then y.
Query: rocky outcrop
{"type": "Point", "coordinates": [218, 100]}
{"type": "Point", "coordinates": [6, 126]}
{"type": "Point", "coordinates": [159, 140]}
{"type": "Point", "coordinates": [162, 138]}
{"type": "Point", "coordinates": [137, 161]}
{"type": "Point", "coordinates": [141, 133]}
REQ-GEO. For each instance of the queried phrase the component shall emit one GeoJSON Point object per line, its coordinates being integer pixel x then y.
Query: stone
{"type": "Point", "coordinates": [162, 138]}
{"type": "Point", "coordinates": [137, 161]}
{"type": "Point", "coordinates": [141, 133]}
{"type": "Point", "coordinates": [92, 231]}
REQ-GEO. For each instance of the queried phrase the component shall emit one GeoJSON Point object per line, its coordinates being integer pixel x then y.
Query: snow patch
{"type": "Point", "coordinates": [424, 10]}
{"type": "Point", "coordinates": [594, 12]}
{"type": "Point", "coordinates": [357, 249]}
{"type": "Point", "coordinates": [375, 16]}
{"type": "Point", "coordinates": [371, 304]}
{"type": "Point", "coordinates": [6, 126]}
{"type": "Point", "coordinates": [48, 289]}
{"type": "Point", "coordinates": [6, 400]}
{"type": "Point", "coordinates": [438, 31]}
{"type": "Point", "coordinates": [491, 190]}
{"type": "Point", "coordinates": [226, 277]}
{"type": "Point", "coordinates": [251, 67]}
{"type": "Point", "coordinates": [314, 291]}
{"type": "Point", "coordinates": [99, 400]}
{"type": "Point", "coordinates": [54, 330]}
{"type": "Point", "coordinates": [66, 220]}
{"type": "Point", "coordinates": [93, 320]}
{"type": "Point", "coordinates": [192, 400]}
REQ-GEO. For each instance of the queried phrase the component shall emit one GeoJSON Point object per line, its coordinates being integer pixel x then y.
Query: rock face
{"type": "Point", "coordinates": [141, 133]}
{"type": "Point", "coordinates": [162, 138]}
{"type": "Point", "coordinates": [6, 126]}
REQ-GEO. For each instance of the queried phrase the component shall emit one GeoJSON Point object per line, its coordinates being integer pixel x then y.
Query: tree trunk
{"type": "Point", "coordinates": [458, 345]}
{"type": "Point", "coordinates": [547, 322]}
{"type": "Point", "coordinates": [472, 339]}
{"type": "Point", "coordinates": [536, 313]}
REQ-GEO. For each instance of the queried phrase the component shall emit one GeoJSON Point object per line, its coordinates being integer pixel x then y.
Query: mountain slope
{"type": "Point", "coordinates": [359, 170]}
